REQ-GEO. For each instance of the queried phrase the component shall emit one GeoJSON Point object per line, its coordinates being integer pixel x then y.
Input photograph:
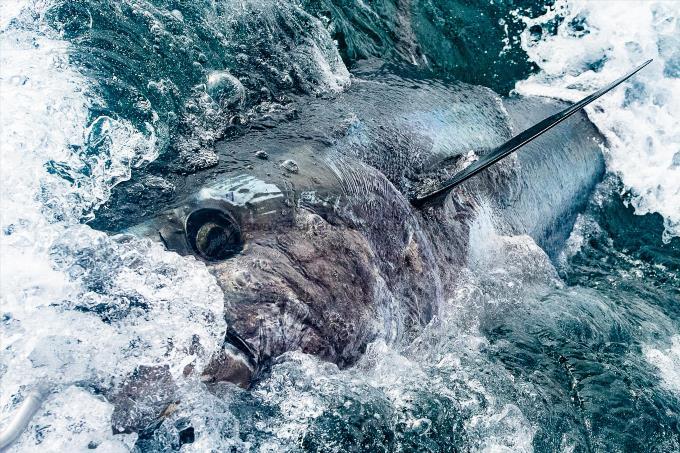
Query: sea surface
{"type": "Point", "coordinates": [578, 353]}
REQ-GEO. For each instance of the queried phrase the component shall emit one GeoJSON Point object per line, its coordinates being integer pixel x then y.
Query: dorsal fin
{"type": "Point", "coordinates": [517, 142]}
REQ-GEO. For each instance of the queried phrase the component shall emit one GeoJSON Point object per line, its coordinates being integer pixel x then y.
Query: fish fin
{"type": "Point", "coordinates": [517, 142]}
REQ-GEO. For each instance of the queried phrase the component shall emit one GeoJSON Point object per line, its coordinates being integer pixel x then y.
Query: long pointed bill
{"type": "Point", "coordinates": [517, 142]}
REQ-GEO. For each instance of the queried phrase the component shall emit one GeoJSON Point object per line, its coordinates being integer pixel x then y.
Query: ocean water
{"type": "Point", "coordinates": [576, 352]}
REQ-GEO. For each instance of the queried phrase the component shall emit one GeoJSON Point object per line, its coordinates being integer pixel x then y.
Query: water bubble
{"type": "Point", "coordinates": [225, 89]}
{"type": "Point", "coordinates": [290, 166]}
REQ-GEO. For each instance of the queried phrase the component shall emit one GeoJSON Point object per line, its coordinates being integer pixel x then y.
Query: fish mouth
{"type": "Point", "coordinates": [233, 339]}
{"type": "Point", "coordinates": [236, 362]}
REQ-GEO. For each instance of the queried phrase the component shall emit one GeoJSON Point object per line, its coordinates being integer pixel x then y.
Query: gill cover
{"type": "Point", "coordinates": [515, 143]}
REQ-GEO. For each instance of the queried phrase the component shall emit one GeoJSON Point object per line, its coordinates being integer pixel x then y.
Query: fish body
{"type": "Point", "coordinates": [307, 223]}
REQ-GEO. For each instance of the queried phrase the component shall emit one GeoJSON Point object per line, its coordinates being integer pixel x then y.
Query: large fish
{"type": "Point", "coordinates": [340, 226]}
{"type": "Point", "coordinates": [349, 221]}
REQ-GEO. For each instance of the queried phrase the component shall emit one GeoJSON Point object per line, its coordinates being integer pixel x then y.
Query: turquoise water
{"type": "Point", "coordinates": [109, 105]}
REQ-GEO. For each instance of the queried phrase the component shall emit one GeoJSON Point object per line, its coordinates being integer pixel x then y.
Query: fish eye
{"type": "Point", "coordinates": [213, 235]}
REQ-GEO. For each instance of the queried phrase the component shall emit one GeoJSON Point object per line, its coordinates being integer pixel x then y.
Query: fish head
{"type": "Point", "coordinates": [313, 250]}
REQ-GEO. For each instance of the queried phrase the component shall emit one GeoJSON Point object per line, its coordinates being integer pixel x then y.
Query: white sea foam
{"type": "Point", "coordinates": [9, 9]}
{"type": "Point", "coordinates": [667, 361]}
{"type": "Point", "coordinates": [598, 42]}
{"type": "Point", "coordinates": [94, 431]}
{"type": "Point", "coordinates": [56, 272]}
